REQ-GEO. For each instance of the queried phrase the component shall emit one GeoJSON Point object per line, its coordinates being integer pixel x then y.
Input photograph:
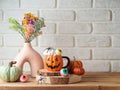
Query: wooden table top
{"type": "Point", "coordinates": [90, 81]}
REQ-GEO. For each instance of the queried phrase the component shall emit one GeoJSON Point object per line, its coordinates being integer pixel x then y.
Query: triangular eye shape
{"type": "Point", "coordinates": [56, 59]}
{"type": "Point", "coordinates": [48, 59]}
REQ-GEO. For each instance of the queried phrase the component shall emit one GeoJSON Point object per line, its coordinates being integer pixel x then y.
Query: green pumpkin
{"type": "Point", "coordinates": [10, 73]}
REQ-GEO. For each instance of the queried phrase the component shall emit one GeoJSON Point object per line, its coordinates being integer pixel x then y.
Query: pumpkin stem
{"type": "Point", "coordinates": [74, 58]}
{"type": "Point", "coordinates": [11, 63]}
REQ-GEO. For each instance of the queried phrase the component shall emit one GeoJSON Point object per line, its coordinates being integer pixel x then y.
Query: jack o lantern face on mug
{"type": "Point", "coordinates": [53, 62]}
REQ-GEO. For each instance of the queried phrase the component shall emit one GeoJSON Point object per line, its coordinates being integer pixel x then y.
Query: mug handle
{"type": "Point", "coordinates": [68, 61]}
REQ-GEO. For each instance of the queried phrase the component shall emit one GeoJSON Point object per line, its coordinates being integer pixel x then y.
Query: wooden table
{"type": "Point", "coordinates": [90, 81]}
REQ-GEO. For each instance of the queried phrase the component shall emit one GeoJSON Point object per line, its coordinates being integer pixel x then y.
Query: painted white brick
{"type": "Point", "coordinates": [1, 41]}
{"type": "Point", "coordinates": [106, 54]}
{"type": "Point", "coordinates": [18, 13]}
{"type": "Point", "coordinates": [107, 3]}
{"type": "Point", "coordinates": [111, 28]}
{"type": "Point", "coordinates": [116, 41]}
{"type": "Point", "coordinates": [74, 28]}
{"type": "Point", "coordinates": [96, 65]}
{"type": "Point", "coordinates": [50, 28]}
{"type": "Point", "coordinates": [115, 66]}
{"type": "Point", "coordinates": [116, 15]}
{"type": "Point", "coordinates": [92, 41]}
{"type": "Point", "coordinates": [74, 3]}
{"type": "Point", "coordinates": [37, 3]}
{"type": "Point", "coordinates": [65, 41]}
{"type": "Point", "coordinates": [1, 15]}
{"type": "Point", "coordinates": [8, 53]}
{"type": "Point", "coordinates": [9, 4]}
{"type": "Point", "coordinates": [5, 62]}
{"type": "Point", "coordinates": [1, 63]}
{"type": "Point", "coordinates": [93, 15]}
{"type": "Point", "coordinates": [15, 40]}
{"type": "Point", "coordinates": [4, 28]}
{"type": "Point", "coordinates": [26, 67]}
{"type": "Point", "coordinates": [57, 15]}
{"type": "Point", "coordinates": [79, 54]}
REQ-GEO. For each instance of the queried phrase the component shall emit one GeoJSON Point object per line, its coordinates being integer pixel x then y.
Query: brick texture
{"type": "Point", "coordinates": [8, 53]}
{"type": "Point", "coordinates": [74, 28]}
{"type": "Point", "coordinates": [96, 66]}
{"type": "Point", "coordinates": [9, 4]}
{"type": "Point", "coordinates": [116, 15]}
{"type": "Point", "coordinates": [4, 28]}
{"type": "Point", "coordinates": [92, 41]}
{"type": "Point", "coordinates": [1, 15]}
{"type": "Point", "coordinates": [106, 54]}
{"type": "Point", "coordinates": [74, 3]}
{"type": "Point", "coordinates": [58, 15]}
{"type": "Point", "coordinates": [37, 3]}
{"type": "Point", "coordinates": [115, 66]}
{"type": "Point", "coordinates": [80, 54]}
{"type": "Point", "coordinates": [86, 29]}
{"type": "Point", "coordinates": [1, 41]}
{"type": "Point", "coordinates": [17, 13]}
{"type": "Point", "coordinates": [116, 41]}
{"type": "Point", "coordinates": [92, 15]}
{"type": "Point", "coordinates": [49, 29]}
{"type": "Point", "coordinates": [64, 41]}
{"type": "Point", "coordinates": [106, 28]}
{"type": "Point", "coordinates": [107, 3]}
{"type": "Point", "coordinates": [14, 40]}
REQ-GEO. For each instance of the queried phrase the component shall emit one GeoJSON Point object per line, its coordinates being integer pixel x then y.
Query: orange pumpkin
{"type": "Point", "coordinates": [53, 62]}
{"type": "Point", "coordinates": [78, 71]}
{"type": "Point", "coordinates": [74, 64]}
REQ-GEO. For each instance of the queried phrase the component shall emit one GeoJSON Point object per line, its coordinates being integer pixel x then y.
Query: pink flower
{"type": "Point", "coordinates": [30, 28]}
{"type": "Point", "coordinates": [28, 35]}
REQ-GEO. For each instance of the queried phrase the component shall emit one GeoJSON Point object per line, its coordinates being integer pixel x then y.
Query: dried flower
{"type": "Point", "coordinates": [30, 27]}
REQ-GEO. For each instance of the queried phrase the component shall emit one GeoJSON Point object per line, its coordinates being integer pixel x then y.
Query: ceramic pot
{"type": "Point", "coordinates": [28, 54]}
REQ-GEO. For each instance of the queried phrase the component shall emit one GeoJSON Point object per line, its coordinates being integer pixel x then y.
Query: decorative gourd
{"type": "Point", "coordinates": [55, 62]}
{"type": "Point", "coordinates": [74, 64]}
{"type": "Point", "coordinates": [78, 71]}
{"type": "Point", "coordinates": [10, 73]}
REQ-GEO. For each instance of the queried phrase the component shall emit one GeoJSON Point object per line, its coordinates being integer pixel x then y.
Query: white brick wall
{"type": "Point", "coordinates": [92, 41]}
{"type": "Point", "coordinates": [58, 15]}
{"type": "Point", "coordinates": [75, 3]}
{"type": "Point", "coordinates": [15, 40]}
{"type": "Point", "coordinates": [106, 28]}
{"type": "Point", "coordinates": [17, 13]}
{"type": "Point", "coordinates": [86, 29]}
{"type": "Point", "coordinates": [116, 41]}
{"type": "Point", "coordinates": [1, 15]}
{"type": "Point", "coordinates": [107, 3]}
{"type": "Point", "coordinates": [9, 4]}
{"type": "Point", "coordinates": [74, 28]}
{"type": "Point", "coordinates": [1, 41]}
{"type": "Point", "coordinates": [56, 41]}
{"type": "Point", "coordinates": [116, 15]}
{"type": "Point", "coordinates": [38, 3]}
{"type": "Point", "coordinates": [93, 15]}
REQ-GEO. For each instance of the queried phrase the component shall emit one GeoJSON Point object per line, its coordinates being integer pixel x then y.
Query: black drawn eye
{"type": "Point", "coordinates": [56, 60]}
{"type": "Point", "coordinates": [48, 59]}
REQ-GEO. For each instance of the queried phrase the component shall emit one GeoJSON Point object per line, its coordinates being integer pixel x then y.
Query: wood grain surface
{"type": "Point", "coordinates": [90, 81]}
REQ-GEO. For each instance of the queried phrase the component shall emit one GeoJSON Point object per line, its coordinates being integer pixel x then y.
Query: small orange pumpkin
{"type": "Point", "coordinates": [53, 62]}
{"type": "Point", "coordinates": [74, 64]}
{"type": "Point", "coordinates": [78, 71]}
